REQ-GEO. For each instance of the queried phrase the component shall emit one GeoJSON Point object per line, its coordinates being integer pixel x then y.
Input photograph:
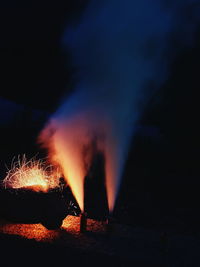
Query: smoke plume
{"type": "Point", "coordinates": [120, 50]}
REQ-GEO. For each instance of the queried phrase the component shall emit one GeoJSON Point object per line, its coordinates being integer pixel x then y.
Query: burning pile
{"type": "Point", "coordinates": [33, 174]}
{"type": "Point", "coordinates": [34, 193]}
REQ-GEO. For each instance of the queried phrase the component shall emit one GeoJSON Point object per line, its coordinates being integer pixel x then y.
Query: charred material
{"type": "Point", "coordinates": [94, 187]}
{"type": "Point", "coordinates": [109, 225]}
{"type": "Point", "coordinates": [25, 205]}
{"type": "Point", "coordinates": [83, 222]}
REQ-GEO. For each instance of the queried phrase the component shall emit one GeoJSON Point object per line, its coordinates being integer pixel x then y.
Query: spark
{"type": "Point", "coordinates": [33, 173]}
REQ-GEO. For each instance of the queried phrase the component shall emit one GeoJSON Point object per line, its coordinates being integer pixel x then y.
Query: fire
{"type": "Point", "coordinates": [70, 147]}
{"type": "Point", "coordinates": [33, 174]}
{"type": "Point", "coordinates": [66, 147]}
{"type": "Point", "coordinates": [70, 161]}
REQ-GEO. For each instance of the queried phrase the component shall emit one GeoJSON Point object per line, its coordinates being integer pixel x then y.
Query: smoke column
{"type": "Point", "coordinates": [118, 48]}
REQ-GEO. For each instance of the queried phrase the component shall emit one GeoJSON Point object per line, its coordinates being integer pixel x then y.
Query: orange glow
{"type": "Point", "coordinates": [71, 225]}
{"type": "Point", "coordinates": [112, 170]}
{"type": "Point", "coordinates": [70, 160]}
{"type": "Point", "coordinates": [69, 143]}
{"type": "Point", "coordinates": [31, 174]}
{"type": "Point", "coordinates": [29, 231]}
{"type": "Point", "coordinates": [66, 147]}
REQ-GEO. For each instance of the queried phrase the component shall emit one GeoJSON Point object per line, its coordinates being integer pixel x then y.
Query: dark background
{"type": "Point", "coordinates": [34, 67]}
{"type": "Point", "coordinates": [161, 179]}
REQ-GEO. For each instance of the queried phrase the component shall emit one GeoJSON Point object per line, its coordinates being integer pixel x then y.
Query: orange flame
{"type": "Point", "coordinates": [66, 146]}
{"type": "Point", "coordinates": [69, 158]}
{"type": "Point", "coordinates": [66, 142]}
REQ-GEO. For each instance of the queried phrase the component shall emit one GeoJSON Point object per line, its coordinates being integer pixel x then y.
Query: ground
{"type": "Point", "coordinates": [26, 244]}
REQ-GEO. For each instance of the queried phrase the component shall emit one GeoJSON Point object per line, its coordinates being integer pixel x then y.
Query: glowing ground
{"type": "Point", "coordinates": [69, 235]}
{"type": "Point", "coordinates": [38, 232]}
{"type": "Point", "coordinates": [126, 246]}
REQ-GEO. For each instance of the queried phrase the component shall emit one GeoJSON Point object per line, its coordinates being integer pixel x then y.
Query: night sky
{"type": "Point", "coordinates": [34, 69]}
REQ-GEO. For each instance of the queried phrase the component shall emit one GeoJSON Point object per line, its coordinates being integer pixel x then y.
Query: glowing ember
{"type": "Point", "coordinates": [33, 174]}
{"type": "Point", "coordinates": [29, 231]}
{"type": "Point", "coordinates": [71, 225]}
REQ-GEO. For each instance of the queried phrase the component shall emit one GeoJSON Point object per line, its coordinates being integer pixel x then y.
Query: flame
{"type": "Point", "coordinates": [116, 155]}
{"type": "Point", "coordinates": [70, 147]}
{"type": "Point", "coordinates": [33, 174]}
{"type": "Point", "coordinates": [69, 159]}
{"type": "Point", "coordinates": [67, 152]}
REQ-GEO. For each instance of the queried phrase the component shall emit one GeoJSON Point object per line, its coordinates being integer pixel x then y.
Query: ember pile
{"type": "Point", "coordinates": [96, 237]}
{"type": "Point", "coordinates": [70, 225]}
{"type": "Point", "coordinates": [33, 192]}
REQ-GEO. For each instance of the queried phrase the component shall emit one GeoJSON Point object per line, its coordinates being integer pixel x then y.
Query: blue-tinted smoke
{"type": "Point", "coordinates": [118, 48]}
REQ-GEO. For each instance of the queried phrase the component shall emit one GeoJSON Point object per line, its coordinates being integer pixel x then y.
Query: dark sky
{"type": "Point", "coordinates": [34, 69]}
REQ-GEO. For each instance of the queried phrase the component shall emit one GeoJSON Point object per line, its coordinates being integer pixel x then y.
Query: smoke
{"type": "Point", "coordinates": [120, 50]}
